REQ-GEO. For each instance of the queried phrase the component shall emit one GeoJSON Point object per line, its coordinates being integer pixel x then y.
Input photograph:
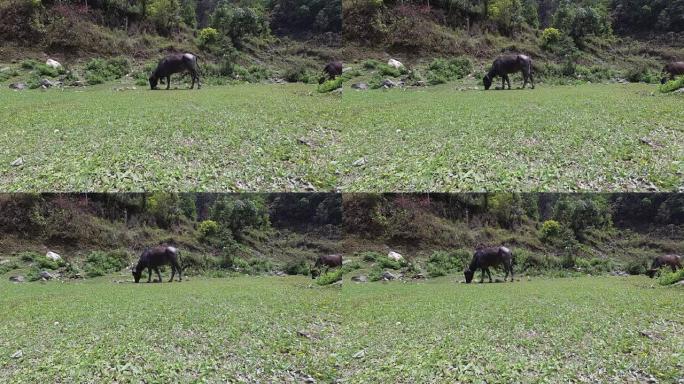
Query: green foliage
{"type": "Point", "coordinates": [550, 36]}
{"type": "Point", "coordinates": [207, 36]}
{"type": "Point", "coordinates": [237, 23]}
{"type": "Point", "coordinates": [386, 262]}
{"type": "Point", "coordinates": [580, 21]}
{"type": "Point", "coordinates": [507, 14]}
{"type": "Point", "coordinates": [672, 85]}
{"type": "Point", "coordinates": [668, 277]}
{"type": "Point", "coordinates": [29, 256]}
{"type": "Point", "coordinates": [238, 213]}
{"type": "Point", "coordinates": [387, 70]}
{"type": "Point", "coordinates": [297, 267]}
{"type": "Point", "coordinates": [208, 228]}
{"type": "Point", "coordinates": [375, 274]}
{"type": "Point", "coordinates": [98, 71]}
{"type": "Point", "coordinates": [165, 14]}
{"type": "Point", "coordinates": [371, 64]}
{"type": "Point", "coordinates": [637, 267]}
{"type": "Point", "coordinates": [349, 267]}
{"type": "Point", "coordinates": [550, 229]}
{"type": "Point", "coordinates": [100, 263]}
{"type": "Point", "coordinates": [442, 263]}
{"type": "Point", "coordinates": [371, 256]}
{"type": "Point", "coordinates": [443, 70]}
{"type": "Point", "coordinates": [330, 85]}
{"type": "Point", "coordinates": [298, 72]}
{"type": "Point", "coordinates": [641, 73]}
{"type": "Point", "coordinates": [330, 277]}
{"type": "Point", "coordinates": [165, 208]}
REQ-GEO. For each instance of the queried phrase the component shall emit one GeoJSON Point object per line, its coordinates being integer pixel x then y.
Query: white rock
{"type": "Point", "coordinates": [395, 63]}
{"type": "Point", "coordinates": [53, 63]}
{"type": "Point", "coordinates": [395, 256]}
{"type": "Point", "coordinates": [17, 162]}
{"type": "Point", "coordinates": [359, 162]}
{"type": "Point", "coordinates": [53, 256]}
{"type": "Point", "coordinates": [360, 354]}
{"type": "Point", "coordinates": [18, 354]}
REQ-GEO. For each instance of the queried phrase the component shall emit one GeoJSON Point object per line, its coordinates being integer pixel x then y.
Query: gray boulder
{"type": "Point", "coordinates": [360, 86]}
{"type": "Point", "coordinates": [387, 275]}
{"type": "Point", "coordinates": [17, 279]}
{"type": "Point", "coordinates": [18, 86]}
{"type": "Point", "coordinates": [46, 275]}
{"type": "Point", "coordinates": [360, 279]}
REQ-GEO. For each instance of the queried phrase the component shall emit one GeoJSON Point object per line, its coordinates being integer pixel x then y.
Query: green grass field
{"type": "Point", "coordinates": [245, 329]}
{"type": "Point", "coordinates": [289, 137]}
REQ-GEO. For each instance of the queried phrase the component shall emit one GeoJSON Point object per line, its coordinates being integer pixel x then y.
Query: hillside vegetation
{"type": "Point", "coordinates": [593, 40]}
{"type": "Point", "coordinates": [284, 233]}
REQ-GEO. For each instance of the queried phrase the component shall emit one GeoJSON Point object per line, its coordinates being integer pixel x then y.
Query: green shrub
{"type": "Point", "coordinates": [375, 273]}
{"type": "Point", "coordinates": [387, 70]}
{"type": "Point", "coordinates": [636, 267]}
{"type": "Point", "coordinates": [29, 256]}
{"type": "Point", "coordinates": [386, 262]}
{"type": "Point", "coordinates": [668, 277]}
{"type": "Point", "coordinates": [442, 263]}
{"type": "Point", "coordinates": [100, 263]}
{"type": "Point", "coordinates": [550, 36]}
{"type": "Point", "coordinates": [98, 71]}
{"type": "Point", "coordinates": [45, 263]}
{"type": "Point", "coordinates": [371, 64]}
{"type": "Point", "coordinates": [672, 85]}
{"type": "Point", "coordinates": [253, 74]}
{"type": "Point", "coordinates": [29, 64]}
{"type": "Point", "coordinates": [330, 277]}
{"type": "Point", "coordinates": [299, 267]}
{"type": "Point", "coordinates": [207, 36]}
{"type": "Point", "coordinates": [443, 70]}
{"type": "Point", "coordinates": [550, 229]}
{"type": "Point", "coordinates": [370, 256]}
{"type": "Point", "coordinates": [9, 266]}
{"type": "Point", "coordinates": [208, 228]}
{"type": "Point", "coordinates": [297, 72]}
{"type": "Point", "coordinates": [330, 85]}
{"type": "Point", "coordinates": [348, 267]}
{"type": "Point", "coordinates": [641, 73]}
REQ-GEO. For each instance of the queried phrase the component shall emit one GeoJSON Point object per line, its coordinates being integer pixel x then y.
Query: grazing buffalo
{"type": "Point", "coordinates": [672, 261]}
{"type": "Point", "coordinates": [509, 64]}
{"type": "Point", "coordinates": [673, 69]}
{"type": "Point", "coordinates": [176, 63]}
{"type": "Point", "coordinates": [327, 261]}
{"type": "Point", "coordinates": [490, 257]}
{"type": "Point", "coordinates": [153, 258]}
{"type": "Point", "coordinates": [331, 71]}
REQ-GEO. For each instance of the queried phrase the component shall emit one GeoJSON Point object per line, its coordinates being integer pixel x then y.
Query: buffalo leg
{"type": "Point", "coordinates": [489, 274]}
{"type": "Point", "coordinates": [508, 80]}
{"type": "Point", "coordinates": [173, 273]}
{"type": "Point", "coordinates": [482, 276]}
{"type": "Point", "coordinates": [168, 82]}
{"type": "Point", "coordinates": [149, 274]}
{"type": "Point", "coordinates": [511, 267]}
{"type": "Point", "coordinates": [156, 269]}
{"type": "Point", "coordinates": [503, 82]}
{"type": "Point", "coordinates": [506, 268]}
{"type": "Point", "coordinates": [193, 75]}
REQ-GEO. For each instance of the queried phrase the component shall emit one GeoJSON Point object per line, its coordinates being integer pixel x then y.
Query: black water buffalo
{"type": "Point", "coordinates": [672, 261]}
{"type": "Point", "coordinates": [331, 71]}
{"type": "Point", "coordinates": [505, 65]}
{"type": "Point", "coordinates": [327, 261]}
{"type": "Point", "coordinates": [176, 63]}
{"type": "Point", "coordinates": [673, 69]}
{"type": "Point", "coordinates": [153, 258]}
{"type": "Point", "coordinates": [490, 257]}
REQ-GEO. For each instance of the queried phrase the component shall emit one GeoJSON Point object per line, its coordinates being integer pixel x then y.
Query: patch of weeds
{"type": "Point", "coordinates": [375, 273]}
{"type": "Point", "coordinates": [668, 277]}
{"type": "Point", "coordinates": [100, 263]}
{"type": "Point", "coordinates": [442, 263]}
{"type": "Point", "coordinates": [298, 267]}
{"type": "Point", "coordinates": [330, 85]}
{"type": "Point", "coordinates": [330, 277]}
{"type": "Point", "coordinates": [370, 256]}
{"type": "Point", "coordinates": [443, 70]}
{"type": "Point", "coordinates": [98, 71]}
{"type": "Point", "coordinates": [672, 85]}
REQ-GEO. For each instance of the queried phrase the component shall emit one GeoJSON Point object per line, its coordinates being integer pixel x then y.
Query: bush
{"type": "Point", "coordinates": [330, 277]}
{"type": "Point", "coordinates": [98, 71]}
{"type": "Point", "coordinates": [348, 267]}
{"type": "Point", "coordinates": [297, 72]}
{"type": "Point", "coordinates": [208, 228]}
{"type": "Point", "coordinates": [669, 277]}
{"type": "Point", "coordinates": [330, 85]}
{"type": "Point", "coordinates": [375, 273]}
{"type": "Point", "coordinates": [443, 70]}
{"type": "Point", "coordinates": [29, 256]}
{"type": "Point", "coordinates": [100, 263]}
{"type": "Point", "coordinates": [442, 263]}
{"type": "Point", "coordinates": [371, 256]}
{"type": "Point", "coordinates": [371, 64]}
{"type": "Point", "coordinates": [641, 73]}
{"type": "Point", "coordinates": [299, 267]}
{"type": "Point", "coordinates": [550, 36]}
{"type": "Point", "coordinates": [207, 36]}
{"type": "Point", "coordinates": [551, 229]}
{"type": "Point", "coordinates": [6, 267]}
{"type": "Point", "coordinates": [386, 262]}
{"type": "Point", "coordinates": [387, 70]}
{"type": "Point", "coordinates": [672, 85]}
{"type": "Point", "coordinates": [637, 267]}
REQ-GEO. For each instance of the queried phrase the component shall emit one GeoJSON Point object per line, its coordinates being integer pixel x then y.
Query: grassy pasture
{"type": "Point", "coordinates": [289, 137]}
{"type": "Point", "coordinates": [245, 329]}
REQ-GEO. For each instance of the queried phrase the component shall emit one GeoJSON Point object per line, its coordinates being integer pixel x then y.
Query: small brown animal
{"type": "Point", "coordinates": [672, 261]}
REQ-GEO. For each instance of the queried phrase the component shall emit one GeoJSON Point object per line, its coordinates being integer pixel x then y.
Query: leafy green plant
{"type": "Point", "coordinates": [100, 263]}
{"type": "Point", "coordinates": [672, 85]}
{"type": "Point", "coordinates": [330, 85]}
{"type": "Point", "coordinates": [330, 277]}
{"type": "Point", "coordinates": [668, 277]}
